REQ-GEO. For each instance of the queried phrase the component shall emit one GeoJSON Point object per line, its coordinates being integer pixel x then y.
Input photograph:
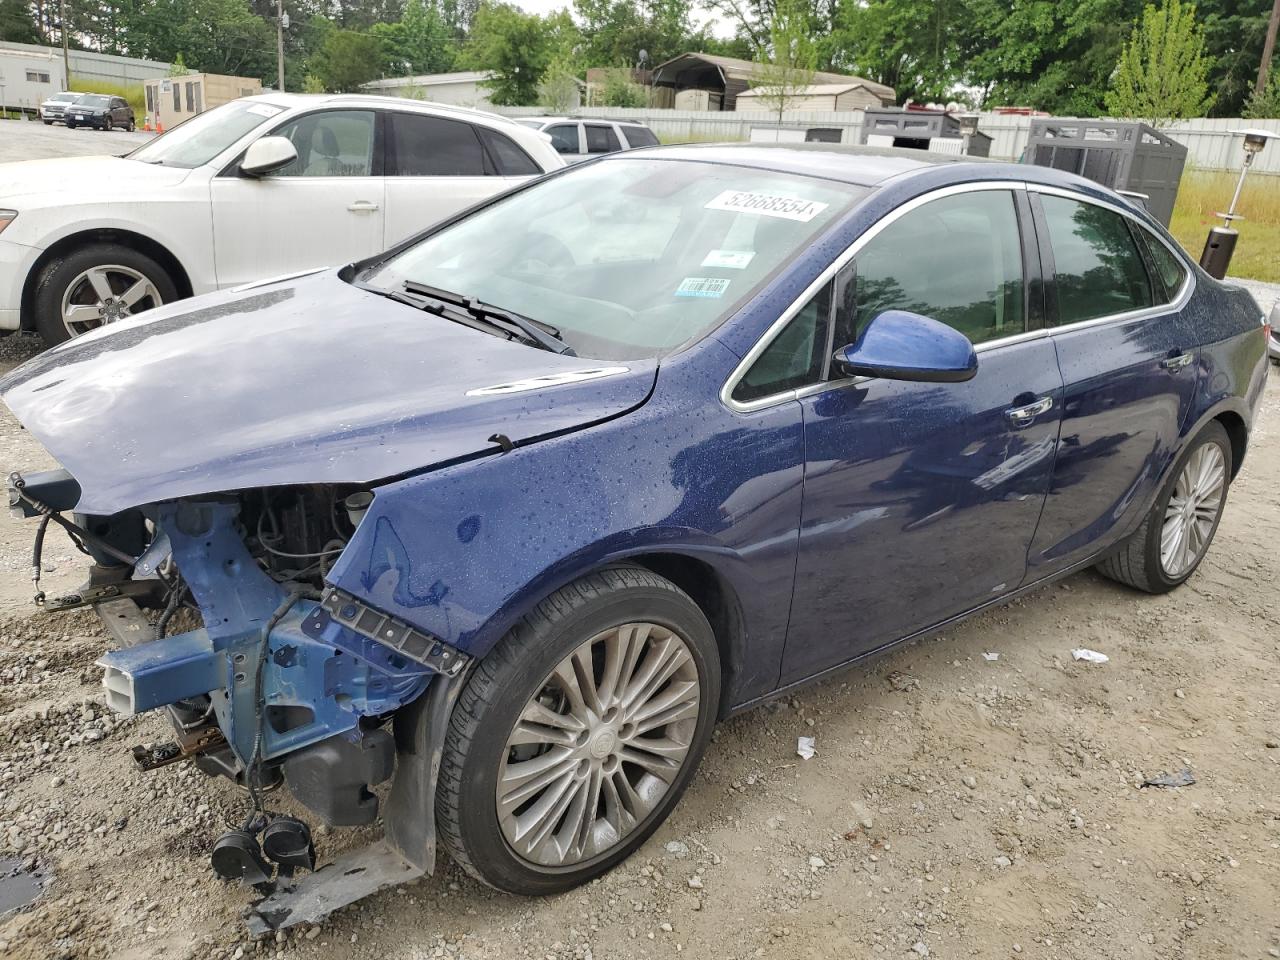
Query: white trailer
{"type": "Point", "coordinates": [28, 77]}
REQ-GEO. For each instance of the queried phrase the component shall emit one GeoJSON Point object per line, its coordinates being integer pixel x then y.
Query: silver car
{"type": "Point", "coordinates": [1273, 341]}
{"type": "Point", "coordinates": [54, 108]}
{"type": "Point", "coordinates": [577, 140]}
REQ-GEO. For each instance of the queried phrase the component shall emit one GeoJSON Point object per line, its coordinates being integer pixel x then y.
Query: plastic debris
{"type": "Point", "coordinates": [1093, 656]}
{"type": "Point", "coordinates": [805, 748]}
{"type": "Point", "coordinates": [991, 657]}
{"type": "Point", "coordinates": [1183, 778]}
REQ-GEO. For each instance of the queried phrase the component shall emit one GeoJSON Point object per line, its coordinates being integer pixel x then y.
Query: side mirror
{"type": "Point", "coordinates": [898, 345]}
{"type": "Point", "coordinates": [267, 155]}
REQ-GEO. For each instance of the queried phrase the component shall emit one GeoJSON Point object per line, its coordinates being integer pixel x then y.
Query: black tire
{"type": "Point", "coordinates": [514, 672]}
{"type": "Point", "coordinates": [132, 126]}
{"type": "Point", "coordinates": [106, 125]}
{"type": "Point", "coordinates": [1137, 561]}
{"type": "Point", "coordinates": [61, 271]}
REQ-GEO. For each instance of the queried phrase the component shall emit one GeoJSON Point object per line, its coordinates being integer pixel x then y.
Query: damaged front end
{"type": "Point", "coordinates": [268, 675]}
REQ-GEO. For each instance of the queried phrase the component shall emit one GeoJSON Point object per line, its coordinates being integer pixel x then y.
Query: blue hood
{"type": "Point", "coordinates": [310, 380]}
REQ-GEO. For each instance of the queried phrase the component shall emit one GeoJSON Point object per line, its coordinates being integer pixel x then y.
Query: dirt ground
{"type": "Point", "coordinates": [957, 806]}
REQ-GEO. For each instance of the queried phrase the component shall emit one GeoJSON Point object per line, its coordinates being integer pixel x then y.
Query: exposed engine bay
{"type": "Point", "coordinates": [223, 619]}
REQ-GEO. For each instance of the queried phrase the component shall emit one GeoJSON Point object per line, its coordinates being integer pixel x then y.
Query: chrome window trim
{"type": "Point", "coordinates": [762, 344]}
{"type": "Point", "coordinates": [760, 403]}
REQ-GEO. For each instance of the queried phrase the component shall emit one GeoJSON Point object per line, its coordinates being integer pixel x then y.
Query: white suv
{"type": "Point", "coordinates": [260, 187]}
{"type": "Point", "coordinates": [577, 140]}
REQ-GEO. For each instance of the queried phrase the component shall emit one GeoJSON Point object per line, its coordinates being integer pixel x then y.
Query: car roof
{"type": "Point", "coordinates": [625, 123]}
{"type": "Point", "coordinates": [860, 165]}
{"type": "Point", "coordinates": [374, 100]}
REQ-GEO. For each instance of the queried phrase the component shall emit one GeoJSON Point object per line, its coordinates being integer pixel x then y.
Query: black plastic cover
{"type": "Point", "coordinates": [332, 777]}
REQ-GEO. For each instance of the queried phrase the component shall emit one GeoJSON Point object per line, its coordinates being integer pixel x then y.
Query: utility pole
{"type": "Point", "coordinates": [280, 44]}
{"type": "Point", "coordinates": [67, 56]}
{"type": "Point", "coordinates": [1268, 48]}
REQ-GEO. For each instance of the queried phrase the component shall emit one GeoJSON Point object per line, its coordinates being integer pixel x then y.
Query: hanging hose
{"type": "Point", "coordinates": [79, 535]}
{"type": "Point", "coordinates": [253, 772]}
{"type": "Point", "coordinates": [36, 552]}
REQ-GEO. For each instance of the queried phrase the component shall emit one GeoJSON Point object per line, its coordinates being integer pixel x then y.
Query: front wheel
{"type": "Point", "coordinates": [1173, 539]}
{"type": "Point", "coordinates": [96, 285]}
{"type": "Point", "coordinates": [578, 733]}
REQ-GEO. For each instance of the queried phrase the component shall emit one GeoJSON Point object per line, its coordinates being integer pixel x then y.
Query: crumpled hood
{"type": "Point", "coordinates": [92, 178]}
{"type": "Point", "coordinates": [303, 381]}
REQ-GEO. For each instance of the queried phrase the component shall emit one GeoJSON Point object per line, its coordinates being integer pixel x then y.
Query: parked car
{"type": "Point", "coordinates": [577, 140]}
{"type": "Point", "coordinates": [54, 107]}
{"type": "Point", "coordinates": [255, 188]}
{"type": "Point", "coordinates": [99, 111]}
{"type": "Point", "coordinates": [559, 483]}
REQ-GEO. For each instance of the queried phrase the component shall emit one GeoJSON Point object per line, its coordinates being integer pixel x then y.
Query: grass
{"type": "Point", "coordinates": [1203, 192]}
{"type": "Point", "coordinates": [133, 94]}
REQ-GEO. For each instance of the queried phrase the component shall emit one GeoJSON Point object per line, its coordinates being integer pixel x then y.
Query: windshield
{"type": "Point", "coordinates": [64, 97]}
{"type": "Point", "coordinates": [204, 136]}
{"type": "Point", "coordinates": [631, 257]}
{"type": "Point", "coordinates": [92, 100]}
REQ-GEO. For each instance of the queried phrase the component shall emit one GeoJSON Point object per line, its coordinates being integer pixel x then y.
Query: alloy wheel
{"type": "Point", "coordinates": [1193, 510]}
{"type": "Point", "coordinates": [104, 294]}
{"type": "Point", "coordinates": [594, 751]}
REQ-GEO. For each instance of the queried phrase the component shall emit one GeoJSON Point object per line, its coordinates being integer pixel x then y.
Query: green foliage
{"type": "Point", "coordinates": [179, 67]}
{"type": "Point", "coordinates": [517, 47]}
{"type": "Point", "coordinates": [787, 63]}
{"type": "Point", "coordinates": [420, 42]}
{"type": "Point", "coordinates": [346, 60]}
{"type": "Point", "coordinates": [134, 93]}
{"type": "Point", "coordinates": [1265, 104]}
{"type": "Point", "coordinates": [618, 90]}
{"type": "Point", "coordinates": [615, 31]}
{"type": "Point", "coordinates": [16, 22]}
{"type": "Point", "coordinates": [1162, 73]}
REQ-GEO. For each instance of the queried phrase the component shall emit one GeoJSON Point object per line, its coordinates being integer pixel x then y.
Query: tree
{"type": "Point", "coordinates": [17, 25]}
{"type": "Point", "coordinates": [1162, 73]}
{"type": "Point", "coordinates": [517, 48]}
{"type": "Point", "coordinates": [558, 89]}
{"type": "Point", "coordinates": [619, 90]}
{"type": "Point", "coordinates": [1265, 105]}
{"type": "Point", "coordinates": [346, 60]}
{"type": "Point", "coordinates": [787, 64]}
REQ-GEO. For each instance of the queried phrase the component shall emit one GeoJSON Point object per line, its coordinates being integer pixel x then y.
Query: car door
{"type": "Point", "coordinates": [323, 209]}
{"type": "Point", "coordinates": [921, 499]}
{"type": "Point", "coordinates": [566, 138]}
{"type": "Point", "coordinates": [1129, 362]}
{"type": "Point", "coordinates": [438, 166]}
{"type": "Point", "coordinates": [600, 138]}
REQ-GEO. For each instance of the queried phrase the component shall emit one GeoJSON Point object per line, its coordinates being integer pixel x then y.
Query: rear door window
{"type": "Point", "coordinates": [564, 137]}
{"type": "Point", "coordinates": [601, 138]}
{"type": "Point", "coordinates": [427, 146]}
{"type": "Point", "coordinates": [1169, 269]}
{"type": "Point", "coordinates": [1098, 271]}
{"type": "Point", "coordinates": [639, 136]}
{"type": "Point", "coordinates": [510, 160]}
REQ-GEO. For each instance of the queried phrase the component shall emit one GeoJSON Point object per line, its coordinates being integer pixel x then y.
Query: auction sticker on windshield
{"type": "Point", "coordinates": [713, 287]}
{"type": "Point", "coordinates": [729, 259]}
{"type": "Point", "coordinates": [264, 110]}
{"type": "Point", "coordinates": [767, 204]}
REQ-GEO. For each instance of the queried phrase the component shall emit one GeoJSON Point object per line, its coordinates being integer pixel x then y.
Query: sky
{"type": "Point", "coordinates": [719, 26]}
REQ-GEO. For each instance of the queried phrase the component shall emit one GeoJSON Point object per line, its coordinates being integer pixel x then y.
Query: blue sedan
{"type": "Point", "coordinates": [511, 515]}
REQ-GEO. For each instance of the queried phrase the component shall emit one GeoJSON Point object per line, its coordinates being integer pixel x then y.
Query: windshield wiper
{"type": "Point", "coordinates": [472, 312]}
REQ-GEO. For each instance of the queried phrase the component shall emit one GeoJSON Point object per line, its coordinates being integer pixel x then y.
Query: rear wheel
{"type": "Point", "coordinates": [1173, 539]}
{"type": "Point", "coordinates": [96, 285]}
{"type": "Point", "coordinates": [578, 733]}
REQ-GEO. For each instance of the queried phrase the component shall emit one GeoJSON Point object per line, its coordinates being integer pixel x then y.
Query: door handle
{"type": "Point", "coordinates": [1024, 416]}
{"type": "Point", "coordinates": [1177, 361]}
{"type": "Point", "coordinates": [362, 206]}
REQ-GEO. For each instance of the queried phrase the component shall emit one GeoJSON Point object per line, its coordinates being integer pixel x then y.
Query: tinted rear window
{"type": "Point", "coordinates": [640, 136]}
{"type": "Point", "coordinates": [425, 146]}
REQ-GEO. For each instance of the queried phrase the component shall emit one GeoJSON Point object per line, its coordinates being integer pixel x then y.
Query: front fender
{"type": "Point", "coordinates": [462, 552]}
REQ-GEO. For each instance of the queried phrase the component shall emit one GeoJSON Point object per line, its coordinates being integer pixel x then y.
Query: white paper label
{"type": "Point", "coordinates": [767, 204]}
{"type": "Point", "coordinates": [728, 259]}
{"type": "Point", "coordinates": [712, 287]}
{"type": "Point", "coordinates": [263, 110]}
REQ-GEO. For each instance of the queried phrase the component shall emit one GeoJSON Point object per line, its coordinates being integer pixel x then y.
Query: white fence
{"type": "Point", "coordinates": [1209, 143]}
